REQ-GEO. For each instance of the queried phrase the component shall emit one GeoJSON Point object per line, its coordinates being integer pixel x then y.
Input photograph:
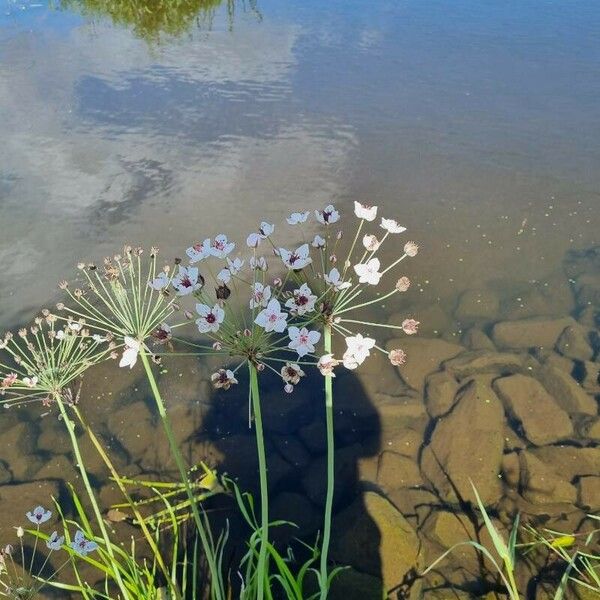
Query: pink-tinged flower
{"type": "Point", "coordinates": [235, 266]}
{"type": "Point", "coordinates": [291, 373]}
{"type": "Point", "coordinates": [302, 302]}
{"type": "Point", "coordinates": [130, 353]}
{"type": "Point", "coordinates": [160, 282]}
{"type": "Point", "coordinates": [319, 242]}
{"type": "Point", "coordinates": [397, 357]}
{"type": "Point", "coordinates": [296, 218]}
{"type": "Point", "coordinates": [369, 272]}
{"type": "Point", "coordinates": [326, 364]}
{"type": "Point", "coordinates": [411, 249]}
{"type": "Point", "coordinates": [38, 515]}
{"type": "Point", "coordinates": [266, 229]}
{"type": "Point", "coordinates": [221, 247]}
{"type": "Point", "coordinates": [186, 281]}
{"type": "Point", "coordinates": [410, 326]}
{"type": "Point", "coordinates": [288, 388]}
{"type": "Point", "coordinates": [217, 346]}
{"type": "Point", "coordinates": [403, 284]}
{"type": "Point", "coordinates": [298, 259]}
{"type": "Point", "coordinates": [224, 276]}
{"type": "Point", "coordinates": [258, 263]}
{"type": "Point", "coordinates": [199, 251]}
{"type": "Point", "coordinates": [81, 545]}
{"type": "Point", "coordinates": [30, 381]}
{"type": "Point", "coordinates": [334, 279]}
{"type": "Point", "coordinates": [328, 215]}
{"type": "Point", "coordinates": [302, 340]}
{"type": "Point", "coordinates": [261, 294]}
{"type": "Point", "coordinates": [162, 334]}
{"type": "Point", "coordinates": [358, 349]}
{"type": "Point", "coordinates": [254, 240]}
{"type": "Point", "coordinates": [223, 379]}
{"type": "Point", "coordinates": [392, 226]}
{"type": "Point", "coordinates": [55, 542]}
{"type": "Point", "coordinates": [210, 318]}
{"type": "Point", "coordinates": [362, 211]}
{"type": "Point", "coordinates": [8, 380]}
{"type": "Point", "coordinates": [271, 318]}
{"type": "Point", "coordinates": [370, 242]}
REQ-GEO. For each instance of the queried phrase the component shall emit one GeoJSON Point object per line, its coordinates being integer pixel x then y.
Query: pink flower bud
{"type": "Point", "coordinates": [397, 357]}
{"type": "Point", "coordinates": [403, 284]}
{"type": "Point", "coordinates": [411, 249]}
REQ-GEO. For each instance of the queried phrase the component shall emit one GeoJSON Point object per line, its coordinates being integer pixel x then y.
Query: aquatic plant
{"type": "Point", "coordinates": [24, 581]}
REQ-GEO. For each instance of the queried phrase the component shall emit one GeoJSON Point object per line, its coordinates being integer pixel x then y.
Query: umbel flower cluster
{"type": "Point", "coordinates": [275, 321]}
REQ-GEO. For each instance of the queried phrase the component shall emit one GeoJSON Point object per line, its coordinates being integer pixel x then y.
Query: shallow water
{"type": "Point", "coordinates": [475, 124]}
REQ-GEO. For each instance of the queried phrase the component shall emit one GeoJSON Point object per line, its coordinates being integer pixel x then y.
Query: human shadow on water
{"type": "Point", "coordinates": [295, 435]}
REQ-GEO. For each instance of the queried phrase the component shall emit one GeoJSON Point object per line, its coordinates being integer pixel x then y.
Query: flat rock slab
{"type": "Point", "coordinates": [568, 393]}
{"type": "Point", "coordinates": [543, 421]}
{"type": "Point", "coordinates": [530, 333]}
{"type": "Point", "coordinates": [467, 445]}
{"type": "Point", "coordinates": [424, 356]}
{"type": "Point", "coordinates": [478, 362]}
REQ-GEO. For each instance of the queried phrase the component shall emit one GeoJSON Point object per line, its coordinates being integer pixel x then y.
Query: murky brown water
{"type": "Point", "coordinates": [476, 125]}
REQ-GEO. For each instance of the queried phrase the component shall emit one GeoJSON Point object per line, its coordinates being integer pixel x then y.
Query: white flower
{"type": "Point", "coordinates": [199, 251]}
{"type": "Point", "coordinates": [271, 318]}
{"type": "Point", "coordinates": [291, 373]}
{"type": "Point", "coordinates": [160, 282]}
{"type": "Point", "coordinates": [81, 545]}
{"type": "Point", "coordinates": [253, 240]}
{"type": "Point", "coordinates": [370, 242]}
{"type": "Point", "coordinates": [235, 265]}
{"type": "Point", "coordinates": [30, 381]}
{"type": "Point", "coordinates": [221, 247]}
{"type": "Point", "coordinates": [297, 217]}
{"type": "Point", "coordinates": [261, 295]}
{"type": "Point", "coordinates": [223, 378]}
{"type": "Point", "coordinates": [328, 215]}
{"type": "Point", "coordinates": [326, 364]}
{"type": "Point", "coordinates": [38, 515]}
{"type": "Point", "coordinates": [334, 280]}
{"type": "Point", "coordinates": [369, 272]}
{"type": "Point", "coordinates": [74, 326]}
{"type": "Point", "coordinates": [288, 388]}
{"type": "Point", "coordinates": [210, 318]}
{"type": "Point", "coordinates": [258, 263]}
{"type": "Point", "coordinates": [298, 259]}
{"type": "Point", "coordinates": [266, 229]}
{"type": "Point", "coordinates": [55, 542]}
{"type": "Point", "coordinates": [60, 334]}
{"type": "Point", "coordinates": [303, 301]}
{"type": "Point", "coordinates": [362, 211]}
{"type": "Point", "coordinates": [319, 242]}
{"type": "Point", "coordinates": [358, 348]}
{"type": "Point", "coordinates": [99, 338]}
{"type": "Point", "coordinates": [186, 280]}
{"type": "Point", "coordinates": [392, 226]}
{"type": "Point", "coordinates": [224, 275]}
{"type": "Point", "coordinates": [130, 354]}
{"type": "Point", "coordinates": [302, 340]}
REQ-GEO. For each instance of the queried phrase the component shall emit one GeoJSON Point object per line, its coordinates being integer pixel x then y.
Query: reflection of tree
{"type": "Point", "coordinates": [149, 19]}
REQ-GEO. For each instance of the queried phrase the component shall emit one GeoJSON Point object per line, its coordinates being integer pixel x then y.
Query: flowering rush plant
{"type": "Point", "coordinates": [275, 309]}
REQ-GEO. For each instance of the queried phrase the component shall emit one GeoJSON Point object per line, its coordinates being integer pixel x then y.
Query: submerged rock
{"type": "Point", "coordinates": [529, 333]}
{"type": "Point", "coordinates": [476, 339]}
{"type": "Point", "coordinates": [543, 421]}
{"type": "Point", "coordinates": [440, 394]}
{"type": "Point", "coordinates": [541, 484]}
{"type": "Point", "coordinates": [396, 471]}
{"type": "Point", "coordinates": [374, 537]}
{"type": "Point", "coordinates": [589, 493]}
{"type": "Point", "coordinates": [477, 305]}
{"type": "Point", "coordinates": [467, 445]}
{"type": "Point", "coordinates": [569, 395]}
{"type": "Point", "coordinates": [573, 343]}
{"type": "Point", "coordinates": [479, 362]}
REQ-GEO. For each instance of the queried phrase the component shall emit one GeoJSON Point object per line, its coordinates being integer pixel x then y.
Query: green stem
{"type": "Point", "coordinates": [217, 591]}
{"type": "Point", "coordinates": [264, 489]}
{"type": "Point", "coordinates": [88, 487]}
{"type": "Point", "coordinates": [330, 470]}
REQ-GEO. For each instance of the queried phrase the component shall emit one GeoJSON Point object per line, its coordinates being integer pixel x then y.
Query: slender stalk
{"type": "Point", "coordinates": [217, 591]}
{"type": "Point", "coordinates": [264, 490]}
{"type": "Point", "coordinates": [88, 487]}
{"type": "Point", "coordinates": [330, 470]}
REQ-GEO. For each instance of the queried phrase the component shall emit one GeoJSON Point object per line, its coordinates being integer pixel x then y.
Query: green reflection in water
{"type": "Point", "coordinates": [153, 19]}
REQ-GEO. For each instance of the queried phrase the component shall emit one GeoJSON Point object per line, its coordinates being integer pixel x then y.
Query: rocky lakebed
{"type": "Point", "coordinates": [501, 390]}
